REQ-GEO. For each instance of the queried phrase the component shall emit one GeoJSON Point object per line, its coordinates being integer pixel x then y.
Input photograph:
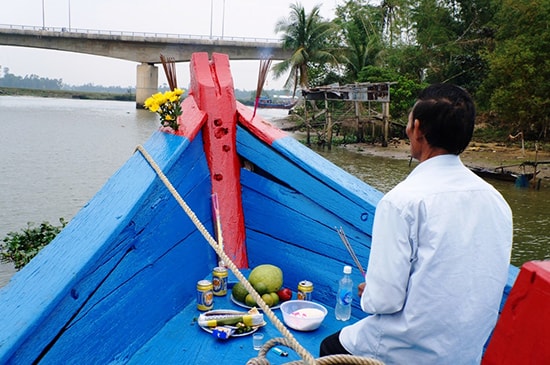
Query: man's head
{"type": "Point", "coordinates": [445, 115]}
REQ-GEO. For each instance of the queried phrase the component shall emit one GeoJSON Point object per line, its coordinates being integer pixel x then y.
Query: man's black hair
{"type": "Point", "coordinates": [447, 114]}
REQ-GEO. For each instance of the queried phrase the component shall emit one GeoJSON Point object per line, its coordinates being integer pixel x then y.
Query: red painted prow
{"type": "Point", "coordinates": [521, 334]}
{"type": "Point", "coordinates": [211, 104]}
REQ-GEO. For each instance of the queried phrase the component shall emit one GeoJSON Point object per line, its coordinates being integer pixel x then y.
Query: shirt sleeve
{"type": "Point", "coordinates": [390, 259]}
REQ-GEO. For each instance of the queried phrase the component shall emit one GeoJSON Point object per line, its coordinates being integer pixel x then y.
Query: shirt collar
{"type": "Point", "coordinates": [437, 162]}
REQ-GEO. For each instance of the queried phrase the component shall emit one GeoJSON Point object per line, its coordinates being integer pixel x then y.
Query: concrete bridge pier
{"type": "Point", "coordinates": [146, 82]}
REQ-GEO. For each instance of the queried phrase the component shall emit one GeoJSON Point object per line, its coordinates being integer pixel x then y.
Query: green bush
{"type": "Point", "coordinates": [21, 247]}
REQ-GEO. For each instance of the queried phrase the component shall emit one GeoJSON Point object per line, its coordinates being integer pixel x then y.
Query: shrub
{"type": "Point", "coordinates": [21, 247]}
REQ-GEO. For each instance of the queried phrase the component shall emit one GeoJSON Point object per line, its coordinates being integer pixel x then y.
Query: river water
{"type": "Point", "coordinates": [55, 154]}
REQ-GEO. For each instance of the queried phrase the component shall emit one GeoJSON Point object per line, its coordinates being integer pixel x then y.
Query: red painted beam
{"type": "Point", "coordinates": [521, 334]}
{"type": "Point", "coordinates": [191, 120]}
{"type": "Point", "coordinates": [212, 90]}
{"type": "Point", "coordinates": [259, 127]}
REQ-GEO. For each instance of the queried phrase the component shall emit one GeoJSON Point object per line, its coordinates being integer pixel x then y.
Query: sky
{"type": "Point", "coordinates": [230, 18]}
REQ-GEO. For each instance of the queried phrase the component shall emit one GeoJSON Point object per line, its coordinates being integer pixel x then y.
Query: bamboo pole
{"type": "Point", "coordinates": [329, 124]}
{"type": "Point", "coordinates": [386, 119]}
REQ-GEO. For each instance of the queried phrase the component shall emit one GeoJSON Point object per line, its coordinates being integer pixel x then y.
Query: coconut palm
{"type": "Point", "coordinates": [308, 36]}
{"type": "Point", "coordinates": [360, 25]}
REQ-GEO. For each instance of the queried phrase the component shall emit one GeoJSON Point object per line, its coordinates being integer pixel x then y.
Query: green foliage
{"type": "Point", "coordinates": [452, 36]}
{"type": "Point", "coordinates": [29, 81]}
{"type": "Point", "coordinates": [34, 82]}
{"type": "Point", "coordinates": [361, 27]}
{"type": "Point", "coordinates": [21, 247]}
{"type": "Point", "coordinates": [517, 87]}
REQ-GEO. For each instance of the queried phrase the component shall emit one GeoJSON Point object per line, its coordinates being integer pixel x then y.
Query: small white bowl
{"type": "Point", "coordinates": [303, 315]}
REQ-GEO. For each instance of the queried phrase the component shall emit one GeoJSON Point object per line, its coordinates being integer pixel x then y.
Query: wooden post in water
{"type": "Point", "coordinates": [386, 120]}
{"type": "Point", "coordinates": [329, 124]}
{"type": "Point", "coordinates": [360, 129]}
{"type": "Point", "coordinates": [308, 124]}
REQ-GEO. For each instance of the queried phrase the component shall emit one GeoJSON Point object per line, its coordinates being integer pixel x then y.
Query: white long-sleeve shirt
{"type": "Point", "coordinates": [438, 265]}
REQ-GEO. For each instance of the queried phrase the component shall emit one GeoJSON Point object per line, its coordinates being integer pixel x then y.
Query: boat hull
{"type": "Point", "coordinates": [118, 284]}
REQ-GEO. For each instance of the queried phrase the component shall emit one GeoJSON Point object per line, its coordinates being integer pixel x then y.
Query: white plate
{"type": "Point", "coordinates": [229, 311]}
{"type": "Point", "coordinates": [249, 307]}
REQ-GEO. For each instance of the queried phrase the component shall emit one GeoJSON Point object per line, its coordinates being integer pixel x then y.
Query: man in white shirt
{"type": "Point", "coordinates": [440, 250]}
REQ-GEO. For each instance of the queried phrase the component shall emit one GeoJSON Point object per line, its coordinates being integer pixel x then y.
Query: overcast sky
{"type": "Point", "coordinates": [238, 18]}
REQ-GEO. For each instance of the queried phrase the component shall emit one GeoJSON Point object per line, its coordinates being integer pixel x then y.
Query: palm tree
{"type": "Point", "coordinates": [361, 29]}
{"type": "Point", "coordinates": [308, 36]}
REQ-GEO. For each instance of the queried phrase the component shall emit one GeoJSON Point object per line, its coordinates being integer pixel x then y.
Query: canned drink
{"type": "Point", "coordinates": [205, 297]}
{"type": "Point", "coordinates": [219, 281]}
{"type": "Point", "coordinates": [305, 289]}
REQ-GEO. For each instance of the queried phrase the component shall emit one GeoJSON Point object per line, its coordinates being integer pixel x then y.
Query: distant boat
{"type": "Point", "coordinates": [500, 174]}
{"type": "Point", "coordinates": [267, 103]}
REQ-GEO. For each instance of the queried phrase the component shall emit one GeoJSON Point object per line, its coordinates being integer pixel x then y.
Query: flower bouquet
{"type": "Point", "coordinates": [167, 105]}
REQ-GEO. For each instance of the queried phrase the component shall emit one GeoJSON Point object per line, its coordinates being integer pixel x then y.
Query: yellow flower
{"type": "Point", "coordinates": [172, 97]}
{"type": "Point", "coordinates": [151, 104]}
{"type": "Point", "coordinates": [167, 106]}
{"type": "Point", "coordinates": [160, 98]}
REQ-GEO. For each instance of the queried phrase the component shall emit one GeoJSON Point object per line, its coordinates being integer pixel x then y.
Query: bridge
{"type": "Point", "coordinates": [143, 48]}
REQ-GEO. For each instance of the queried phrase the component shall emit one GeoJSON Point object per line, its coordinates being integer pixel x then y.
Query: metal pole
{"type": "Point", "coordinates": [43, 16]}
{"type": "Point", "coordinates": [211, 16]}
{"type": "Point", "coordinates": [223, 19]}
{"type": "Point", "coordinates": [69, 15]}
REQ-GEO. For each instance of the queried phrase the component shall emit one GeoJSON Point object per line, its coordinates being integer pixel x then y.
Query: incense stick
{"type": "Point", "coordinates": [169, 66]}
{"type": "Point", "coordinates": [265, 64]}
{"type": "Point", "coordinates": [344, 239]}
{"type": "Point", "coordinates": [217, 218]}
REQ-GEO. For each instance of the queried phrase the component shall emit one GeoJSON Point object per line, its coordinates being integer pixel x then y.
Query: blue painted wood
{"type": "Point", "coordinates": [292, 231]}
{"type": "Point", "coordinates": [349, 198]}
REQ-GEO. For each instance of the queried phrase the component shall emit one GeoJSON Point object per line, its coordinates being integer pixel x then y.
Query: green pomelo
{"type": "Point", "coordinates": [260, 287]}
{"type": "Point", "coordinates": [239, 292]}
{"type": "Point", "coordinates": [269, 275]}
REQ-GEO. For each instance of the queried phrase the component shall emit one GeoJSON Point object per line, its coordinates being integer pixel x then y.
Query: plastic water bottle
{"type": "Point", "coordinates": [344, 296]}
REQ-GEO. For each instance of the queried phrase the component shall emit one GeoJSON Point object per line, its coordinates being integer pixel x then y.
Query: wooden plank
{"type": "Point", "coordinates": [285, 214]}
{"type": "Point", "coordinates": [339, 192]}
{"type": "Point", "coordinates": [262, 129]}
{"type": "Point", "coordinates": [192, 118]}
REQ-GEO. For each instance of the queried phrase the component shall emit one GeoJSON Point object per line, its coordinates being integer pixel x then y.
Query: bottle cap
{"type": "Point", "coordinates": [347, 269]}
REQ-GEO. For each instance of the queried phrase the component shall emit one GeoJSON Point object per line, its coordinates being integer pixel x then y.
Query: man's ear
{"type": "Point", "coordinates": [416, 126]}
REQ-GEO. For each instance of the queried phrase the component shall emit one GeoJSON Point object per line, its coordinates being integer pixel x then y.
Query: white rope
{"type": "Point", "coordinates": [308, 358]}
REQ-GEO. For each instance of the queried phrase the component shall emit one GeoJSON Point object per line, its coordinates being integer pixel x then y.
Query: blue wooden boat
{"type": "Point", "coordinates": [118, 284]}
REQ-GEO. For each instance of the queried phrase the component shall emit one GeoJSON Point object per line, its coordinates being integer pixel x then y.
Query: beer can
{"type": "Point", "coordinates": [205, 297]}
{"type": "Point", "coordinates": [219, 281]}
{"type": "Point", "coordinates": [305, 289]}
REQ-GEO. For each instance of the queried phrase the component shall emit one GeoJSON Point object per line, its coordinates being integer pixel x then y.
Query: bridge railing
{"type": "Point", "coordinates": [136, 34]}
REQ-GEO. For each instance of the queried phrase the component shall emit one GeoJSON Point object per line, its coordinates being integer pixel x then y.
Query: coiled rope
{"type": "Point", "coordinates": [289, 339]}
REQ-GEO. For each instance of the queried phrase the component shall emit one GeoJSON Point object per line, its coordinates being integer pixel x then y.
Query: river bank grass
{"type": "Point", "coordinates": [67, 94]}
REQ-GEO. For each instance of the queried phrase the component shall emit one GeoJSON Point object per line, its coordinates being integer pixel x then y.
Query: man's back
{"type": "Point", "coordinates": [436, 289]}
